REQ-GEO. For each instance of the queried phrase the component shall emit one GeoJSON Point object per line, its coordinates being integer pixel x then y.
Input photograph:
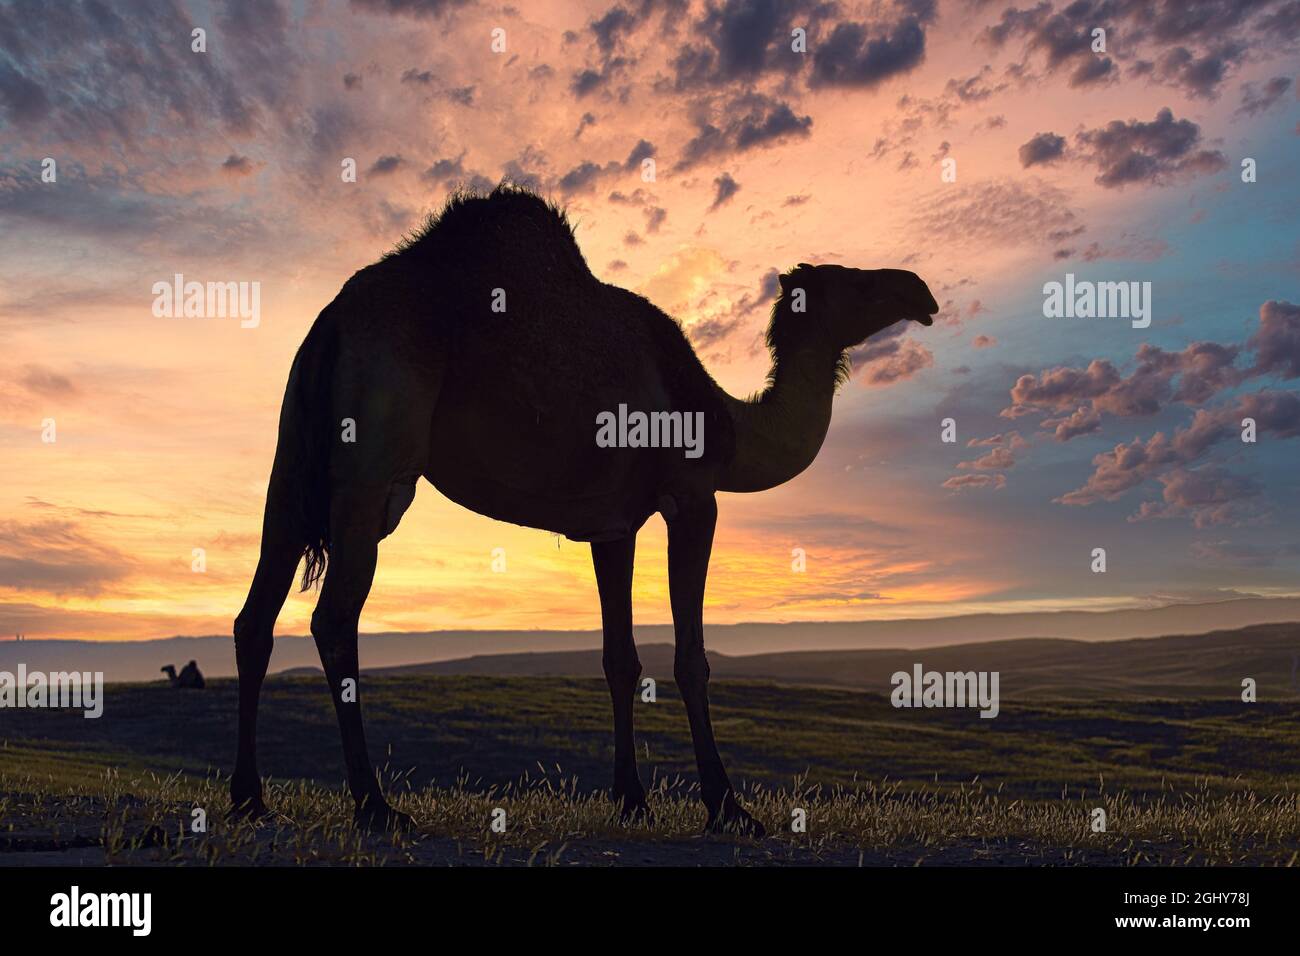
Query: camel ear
{"type": "Point", "coordinates": [796, 277]}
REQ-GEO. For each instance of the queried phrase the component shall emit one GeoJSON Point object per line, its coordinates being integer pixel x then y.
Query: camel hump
{"type": "Point", "coordinates": [190, 676]}
{"type": "Point", "coordinates": [511, 226]}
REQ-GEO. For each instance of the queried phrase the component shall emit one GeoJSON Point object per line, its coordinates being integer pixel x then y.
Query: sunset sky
{"type": "Point", "coordinates": [1073, 433]}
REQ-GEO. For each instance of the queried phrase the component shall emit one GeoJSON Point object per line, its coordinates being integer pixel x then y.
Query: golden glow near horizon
{"type": "Point", "coordinates": [166, 427]}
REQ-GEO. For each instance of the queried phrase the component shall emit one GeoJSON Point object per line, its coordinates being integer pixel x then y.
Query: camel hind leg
{"type": "Point", "coordinates": [254, 638]}
{"type": "Point", "coordinates": [358, 520]}
{"type": "Point", "coordinates": [374, 467]}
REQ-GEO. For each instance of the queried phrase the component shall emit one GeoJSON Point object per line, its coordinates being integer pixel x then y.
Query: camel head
{"type": "Point", "coordinates": [854, 304]}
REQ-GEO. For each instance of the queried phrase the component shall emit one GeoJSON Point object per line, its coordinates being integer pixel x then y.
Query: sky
{"type": "Point", "coordinates": [701, 149]}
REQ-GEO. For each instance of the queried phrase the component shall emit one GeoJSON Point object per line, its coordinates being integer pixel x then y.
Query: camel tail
{"type": "Point", "coordinates": [302, 459]}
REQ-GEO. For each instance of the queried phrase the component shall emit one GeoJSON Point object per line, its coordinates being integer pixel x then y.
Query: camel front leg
{"type": "Point", "coordinates": [613, 562]}
{"type": "Point", "coordinates": [357, 522]}
{"type": "Point", "coordinates": [690, 541]}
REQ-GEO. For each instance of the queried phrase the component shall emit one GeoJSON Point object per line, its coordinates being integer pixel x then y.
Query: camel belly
{"type": "Point", "coordinates": [541, 472]}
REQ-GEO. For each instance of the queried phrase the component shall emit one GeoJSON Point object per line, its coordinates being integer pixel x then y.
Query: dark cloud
{"type": "Point", "coordinates": [237, 165]}
{"type": "Point", "coordinates": [1276, 343]}
{"type": "Point", "coordinates": [412, 8]}
{"type": "Point", "coordinates": [461, 95]}
{"type": "Point", "coordinates": [973, 89]}
{"type": "Point", "coordinates": [527, 169]}
{"type": "Point", "coordinates": [745, 39]}
{"type": "Point", "coordinates": [608, 28]}
{"type": "Point", "coordinates": [889, 357]}
{"type": "Point", "coordinates": [586, 175]}
{"type": "Point", "coordinates": [464, 95]}
{"type": "Point", "coordinates": [23, 101]}
{"type": "Point", "coordinates": [1199, 76]}
{"type": "Point", "coordinates": [1084, 420]}
{"type": "Point", "coordinates": [768, 287]}
{"type": "Point", "coordinates": [109, 71]}
{"type": "Point", "coordinates": [780, 121]}
{"type": "Point", "coordinates": [1193, 488]}
{"type": "Point", "coordinates": [110, 208]}
{"type": "Point", "coordinates": [619, 22]}
{"type": "Point", "coordinates": [385, 165]}
{"type": "Point", "coordinates": [1257, 99]}
{"type": "Point", "coordinates": [707, 333]}
{"type": "Point", "coordinates": [1202, 369]}
{"type": "Point", "coordinates": [644, 149]}
{"type": "Point", "coordinates": [1043, 148]}
{"type": "Point", "coordinates": [1077, 398]}
{"type": "Point", "coordinates": [752, 121]}
{"type": "Point", "coordinates": [586, 81]}
{"type": "Point", "coordinates": [1093, 69]}
{"type": "Point", "coordinates": [1209, 495]}
{"type": "Point", "coordinates": [446, 170]}
{"type": "Point", "coordinates": [1192, 45]}
{"type": "Point", "coordinates": [1126, 466]}
{"type": "Point", "coordinates": [724, 187]}
{"type": "Point", "coordinates": [851, 56]}
{"type": "Point", "coordinates": [1156, 152]}
{"type": "Point", "coordinates": [419, 77]}
{"type": "Point", "coordinates": [581, 178]}
{"type": "Point", "coordinates": [1061, 388]}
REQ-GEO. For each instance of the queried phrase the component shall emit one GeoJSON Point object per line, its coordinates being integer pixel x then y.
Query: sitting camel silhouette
{"type": "Point", "coordinates": [481, 354]}
{"type": "Point", "coordinates": [189, 676]}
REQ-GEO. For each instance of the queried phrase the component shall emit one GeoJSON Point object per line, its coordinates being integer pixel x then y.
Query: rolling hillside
{"type": "Point", "coordinates": [140, 660]}
{"type": "Point", "coordinates": [1197, 666]}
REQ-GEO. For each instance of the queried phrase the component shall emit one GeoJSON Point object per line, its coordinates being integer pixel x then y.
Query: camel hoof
{"type": "Point", "coordinates": [381, 818]}
{"type": "Point", "coordinates": [247, 808]}
{"type": "Point", "coordinates": [636, 812]}
{"type": "Point", "coordinates": [734, 821]}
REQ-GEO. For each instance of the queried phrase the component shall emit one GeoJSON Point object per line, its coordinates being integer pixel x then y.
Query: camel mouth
{"type": "Point", "coordinates": [926, 320]}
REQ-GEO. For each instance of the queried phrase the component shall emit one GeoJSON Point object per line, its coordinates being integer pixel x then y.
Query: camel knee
{"type": "Point", "coordinates": [691, 670]}
{"type": "Point", "coordinates": [622, 669]}
{"type": "Point", "coordinates": [331, 629]}
{"type": "Point", "coordinates": [252, 643]}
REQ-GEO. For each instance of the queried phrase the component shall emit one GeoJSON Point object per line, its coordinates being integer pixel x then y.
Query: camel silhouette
{"type": "Point", "coordinates": [189, 677]}
{"type": "Point", "coordinates": [481, 354]}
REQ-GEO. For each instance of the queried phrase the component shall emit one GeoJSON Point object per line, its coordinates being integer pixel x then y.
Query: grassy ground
{"type": "Point", "coordinates": [1188, 782]}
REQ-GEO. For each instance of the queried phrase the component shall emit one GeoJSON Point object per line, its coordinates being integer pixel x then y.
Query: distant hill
{"type": "Point", "coordinates": [1183, 666]}
{"type": "Point", "coordinates": [140, 660]}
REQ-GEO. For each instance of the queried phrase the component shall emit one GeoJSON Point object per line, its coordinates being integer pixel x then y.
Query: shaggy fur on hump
{"type": "Point", "coordinates": [468, 220]}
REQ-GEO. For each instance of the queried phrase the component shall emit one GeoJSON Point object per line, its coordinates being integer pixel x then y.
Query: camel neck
{"type": "Point", "coordinates": [780, 431]}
